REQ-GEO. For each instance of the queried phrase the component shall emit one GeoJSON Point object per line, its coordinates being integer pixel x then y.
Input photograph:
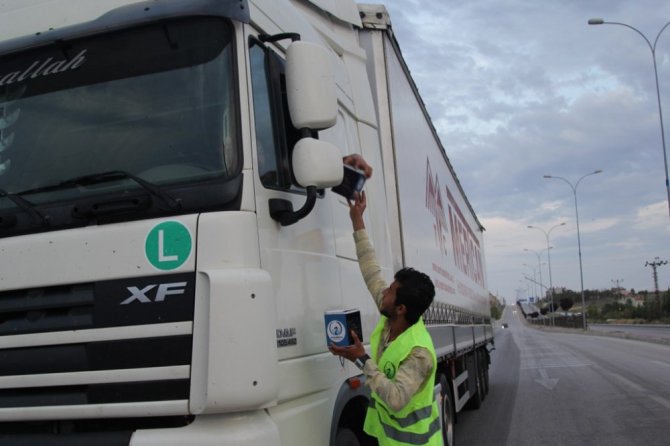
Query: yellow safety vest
{"type": "Point", "coordinates": [418, 423]}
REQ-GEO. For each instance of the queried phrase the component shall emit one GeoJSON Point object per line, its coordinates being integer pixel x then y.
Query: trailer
{"type": "Point", "coordinates": [169, 242]}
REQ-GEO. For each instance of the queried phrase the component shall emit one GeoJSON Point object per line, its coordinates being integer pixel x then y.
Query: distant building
{"type": "Point", "coordinates": [636, 300]}
{"type": "Point", "coordinates": [557, 290]}
{"type": "Point", "coordinates": [622, 292]}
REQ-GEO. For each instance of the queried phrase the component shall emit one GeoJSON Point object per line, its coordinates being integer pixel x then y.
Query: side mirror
{"type": "Point", "coordinates": [310, 86]}
{"type": "Point", "coordinates": [317, 163]}
{"type": "Point", "coordinates": [312, 102]}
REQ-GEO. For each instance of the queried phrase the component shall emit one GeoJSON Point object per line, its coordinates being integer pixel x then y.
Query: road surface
{"type": "Point", "coordinates": [656, 333]}
{"type": "Point", "coordinates": [557, 388]}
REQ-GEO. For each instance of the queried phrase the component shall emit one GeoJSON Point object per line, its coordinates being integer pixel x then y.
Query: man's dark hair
{"type": "Point", "coordinates": [416, 293]}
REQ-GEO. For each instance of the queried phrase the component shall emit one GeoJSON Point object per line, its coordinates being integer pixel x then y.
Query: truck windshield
{"type": "Point", "coordinates": [156, 101]}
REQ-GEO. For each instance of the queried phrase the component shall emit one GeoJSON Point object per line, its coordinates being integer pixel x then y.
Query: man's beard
{"type": "Point", "coordinates": [389, 315]}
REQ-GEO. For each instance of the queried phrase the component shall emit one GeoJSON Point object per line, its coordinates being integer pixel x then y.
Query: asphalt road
{"type": "Point", "coordinates": [563, 388]}
{"type": "Point", "coordinates": [654, 333]}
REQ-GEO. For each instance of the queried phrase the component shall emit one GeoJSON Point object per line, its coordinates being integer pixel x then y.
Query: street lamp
{"type": "Point", "coordinates": [579, 242]}
{"type": "Point", "coordinates": [533, 281]}
{"type": "Point", "coordinates": [539, 263]}
{"type": "Point", "coordinates": [551, 284]}
{"type": "Point", "coordinates": [658, 91]}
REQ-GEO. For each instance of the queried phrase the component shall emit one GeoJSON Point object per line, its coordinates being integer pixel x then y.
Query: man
{"type": "Point", "coordinates": [401, 371]}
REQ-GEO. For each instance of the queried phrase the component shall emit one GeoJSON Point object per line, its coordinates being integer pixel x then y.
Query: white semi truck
{"type": "Point", "coordinates": [169, 241]}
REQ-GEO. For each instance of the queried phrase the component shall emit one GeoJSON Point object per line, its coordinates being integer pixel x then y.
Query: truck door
{"type": "Point", "coordinates": [300, 257]}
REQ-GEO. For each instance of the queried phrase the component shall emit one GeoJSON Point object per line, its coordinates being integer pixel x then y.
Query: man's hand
{"type": "Point", "coordinates": [351, 352]}
{"type": "Point", "coordinates": [358, 162]}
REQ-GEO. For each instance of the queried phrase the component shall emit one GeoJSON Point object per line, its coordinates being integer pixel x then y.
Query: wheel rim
{"type": "Point", "coordinates": [447, 417]}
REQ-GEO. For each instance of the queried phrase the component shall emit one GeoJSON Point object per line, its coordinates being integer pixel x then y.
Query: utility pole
{"type": "Point", "coordinates": [655, 264]}
{"type": "Point", "coordinates": [617, 286]}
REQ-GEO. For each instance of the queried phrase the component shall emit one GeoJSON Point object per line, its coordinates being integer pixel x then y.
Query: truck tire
{"type": "Point", "coordinates": [448, 413]}
{"type": "Point", "coordinates": [483, 374]}
{"type": "Point", "coordinates": [346, 437]}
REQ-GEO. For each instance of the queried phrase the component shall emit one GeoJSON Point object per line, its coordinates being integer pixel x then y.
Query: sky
{"type": "Point", "coordinates": [519, 89]}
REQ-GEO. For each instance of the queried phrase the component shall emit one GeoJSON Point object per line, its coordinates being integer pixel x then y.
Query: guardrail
{"type": "Point", "coordinates": [559, 321]}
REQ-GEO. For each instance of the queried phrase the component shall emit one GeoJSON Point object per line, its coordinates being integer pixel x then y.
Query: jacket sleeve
{"type": "Point", "coordinates": [367, 262]}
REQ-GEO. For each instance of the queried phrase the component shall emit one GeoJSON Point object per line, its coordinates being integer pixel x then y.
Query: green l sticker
{"type": "Point", "coordinates": [168, 245]}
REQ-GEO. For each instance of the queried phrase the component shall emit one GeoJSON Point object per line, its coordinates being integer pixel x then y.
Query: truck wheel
{"type": "Point", "coordinates": [483, 375]}
{"type": "Point", "coordinates": [448, 415]}
{"type": "Point", "coordinates": [346, 437]}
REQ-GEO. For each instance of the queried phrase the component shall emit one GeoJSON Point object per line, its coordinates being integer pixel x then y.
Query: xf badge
{"type": "Point", "coordinates": [163, 290]}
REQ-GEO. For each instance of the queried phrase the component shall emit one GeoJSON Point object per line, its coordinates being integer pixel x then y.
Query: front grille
{"type": "Point", "coordinates": [98, 432]}
{"type": "Point", "coordinates": [120, 341]}
{"type": "Point", "coordinates": [46, 309]}
{"type": "Point", "coordinates": [95, 394]}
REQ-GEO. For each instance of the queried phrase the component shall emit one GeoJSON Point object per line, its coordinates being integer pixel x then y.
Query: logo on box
{"type": "Point", "coordinates": [339, 324]}
{"type": "Point", "coordinates": [336, 332]}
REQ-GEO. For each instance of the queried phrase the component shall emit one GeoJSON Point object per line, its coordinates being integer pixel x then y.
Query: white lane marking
{"type": "Point", "coordinates": [659, 399]}
{"type": "Point", "coordinates": [545, 381]}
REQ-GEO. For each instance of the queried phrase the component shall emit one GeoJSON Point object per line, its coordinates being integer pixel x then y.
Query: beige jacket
{"type": "Point", "coordinates": [414, 370]}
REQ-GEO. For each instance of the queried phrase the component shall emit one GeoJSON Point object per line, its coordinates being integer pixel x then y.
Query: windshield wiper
{"type": "Point", "coordinates": [27, 207]}
{"type": "Point", "coordinates": [96, 178]}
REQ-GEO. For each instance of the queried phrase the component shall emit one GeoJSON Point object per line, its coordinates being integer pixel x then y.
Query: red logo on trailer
{"type": "Point", "coordinates": [435, 206]}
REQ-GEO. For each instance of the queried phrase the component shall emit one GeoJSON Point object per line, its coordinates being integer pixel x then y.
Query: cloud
{"type": "Point", "coordinates": [518, 89]}
{"type": "Point", "coordinates": [600, 224]}
{"type": "Point", "coordinates": [653, 217]}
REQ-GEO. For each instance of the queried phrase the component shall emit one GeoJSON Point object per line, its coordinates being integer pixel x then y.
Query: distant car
{"type": "Point", "coordinates": [505, 325]}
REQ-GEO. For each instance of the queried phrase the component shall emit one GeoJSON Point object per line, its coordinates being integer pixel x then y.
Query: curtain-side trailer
{"type": "Point", "coordinates": [169, 241]}
{"type": "Point", "coordinates": [433, 226]}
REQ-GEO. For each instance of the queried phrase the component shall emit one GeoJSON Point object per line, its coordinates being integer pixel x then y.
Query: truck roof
{"type": "Point", "coordinates": [27, 23]}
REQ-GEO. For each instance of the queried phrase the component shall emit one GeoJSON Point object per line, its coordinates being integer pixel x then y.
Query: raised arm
{"type": "Point", "coordinates": [367, 259]}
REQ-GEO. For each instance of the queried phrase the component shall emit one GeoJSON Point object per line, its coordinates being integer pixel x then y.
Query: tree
{"type": "Point", "coordinates": [495, 312]}
{"type": "Point", "coordinates": [566, 303]}
{"type": "Point", "coordinates": [495, 306]}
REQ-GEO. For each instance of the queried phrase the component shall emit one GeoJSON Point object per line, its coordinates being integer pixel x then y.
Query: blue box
{"type": "Point", "coordinates": [338, 325]}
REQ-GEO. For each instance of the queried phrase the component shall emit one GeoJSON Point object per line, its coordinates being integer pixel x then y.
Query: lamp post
{"type": "Point", "coordinates": [533, 281]}
{"type": "Point", "coordinates": [579, 242]}
{"type": "Point", "coordinates": [539, 263]}
{"type": "Point", "coordinates": [551, 284]}
{"type": "Point", "coordinates": [541, 252]}
{"type": "Point", "coordinates": [658, 90]}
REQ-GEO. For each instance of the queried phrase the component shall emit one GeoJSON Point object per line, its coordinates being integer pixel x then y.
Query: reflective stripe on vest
{"type": "Point", "coordinates": [410, 437]}
{"type": "Point", "coordinates": [410, 419]}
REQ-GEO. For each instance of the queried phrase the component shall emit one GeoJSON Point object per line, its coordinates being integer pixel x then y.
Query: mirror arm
{"type": "Point", "coordinates": [282, 210]}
